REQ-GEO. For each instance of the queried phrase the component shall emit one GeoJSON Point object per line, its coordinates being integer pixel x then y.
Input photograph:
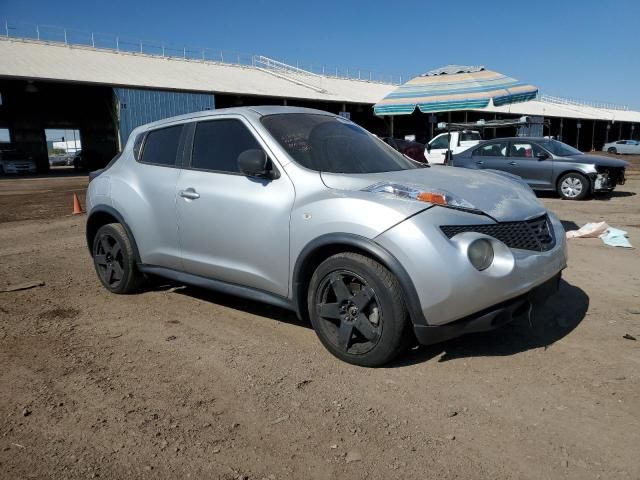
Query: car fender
{"type": "Point", "coordinates": [334, 242]}
{"type": "Point", "coordinates": [96, 212]}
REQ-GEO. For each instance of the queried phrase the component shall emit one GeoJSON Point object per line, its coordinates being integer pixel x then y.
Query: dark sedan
{"type": "Point", "coordinates": [546, 164]}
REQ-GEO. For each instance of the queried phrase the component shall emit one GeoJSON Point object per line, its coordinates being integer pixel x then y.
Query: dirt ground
{"type": "Point", "coordinates": [182, 383]}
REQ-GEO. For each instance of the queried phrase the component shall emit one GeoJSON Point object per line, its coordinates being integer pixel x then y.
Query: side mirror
{"type": "Point", "coordinates": [542, 155]}
{"type": "Point", "coordinates": [428, 148]}
{"type": "Point", "coordinates": [256, 163]}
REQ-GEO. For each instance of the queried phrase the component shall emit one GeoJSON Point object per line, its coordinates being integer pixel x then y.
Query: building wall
{"type": "Point", "coordinates": [139, 106]}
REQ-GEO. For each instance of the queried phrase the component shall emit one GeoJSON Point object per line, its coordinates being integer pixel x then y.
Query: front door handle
{"type": "Point", "coordinates": [189, 193]}
{"type": "Point", "coordinates": [513, 163]}
{"type": "Point", "coordinates": [479, 162]}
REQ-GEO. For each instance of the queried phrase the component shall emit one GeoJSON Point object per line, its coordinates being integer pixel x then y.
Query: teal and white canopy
{"type": "Point", "coordinates": [454, 87]}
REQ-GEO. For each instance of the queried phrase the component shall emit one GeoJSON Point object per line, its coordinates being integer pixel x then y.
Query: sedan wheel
{"type": "Point", "coordinates": [573, 186]}
{"type": "Point", "coordinates": [612, 150]}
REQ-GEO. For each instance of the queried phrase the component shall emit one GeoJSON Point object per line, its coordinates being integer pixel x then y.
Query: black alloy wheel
{"type": "Point", "coordinates": [108, 258]}
{"type": "Point", "coordinates": [114, 259]}
{"type": "Point", "coordinates": [350, 312]}
{"type": "Point", "coordinates": [357, 309]}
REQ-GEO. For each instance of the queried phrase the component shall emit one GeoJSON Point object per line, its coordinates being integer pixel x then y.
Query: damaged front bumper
{"type": "Point", "coordinates": [489, 318]}
{"type": "Point", "coordinates": [606, 180]}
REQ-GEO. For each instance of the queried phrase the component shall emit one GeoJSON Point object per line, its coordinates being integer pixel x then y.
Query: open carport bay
{"type": "Point", "coordinates": [178, 382]}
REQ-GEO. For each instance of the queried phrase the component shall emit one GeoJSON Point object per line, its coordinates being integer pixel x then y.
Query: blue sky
{"type": "Point", "coordinates": [578, 49]}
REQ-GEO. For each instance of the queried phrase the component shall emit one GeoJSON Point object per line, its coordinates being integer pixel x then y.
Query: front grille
{"type": "Point", "coordinates": [535, 234]}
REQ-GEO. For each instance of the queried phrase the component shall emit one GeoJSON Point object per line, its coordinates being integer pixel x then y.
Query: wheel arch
{"type": "Point", "coordinates": [574, 170]}
{"type": "Point", "coordinates": [103, 215]}
{"type": "Point", "coordinates": [318, 250]}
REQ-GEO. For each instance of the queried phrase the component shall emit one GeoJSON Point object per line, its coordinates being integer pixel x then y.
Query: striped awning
{"type": "Point", "coordinates": [454, 88]}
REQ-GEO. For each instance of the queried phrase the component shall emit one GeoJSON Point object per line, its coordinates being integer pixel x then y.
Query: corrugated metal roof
{"type": "Point", "coordinates": [32, 59]}
{"type": "Point", "coordinates": [547, 109]}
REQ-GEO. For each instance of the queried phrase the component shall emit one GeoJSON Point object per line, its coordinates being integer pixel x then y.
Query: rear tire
{"type": "Point", "coordinates": [114, 260]}
{"type": "Point", "coordinates": [573, 186]}
{"type": "Point", "coordinates": [357, 310]}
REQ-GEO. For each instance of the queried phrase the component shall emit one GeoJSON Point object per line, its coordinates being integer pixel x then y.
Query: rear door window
{"type": "Point", "coordinates": [469, 136]}
{"type": "Point", "coordinates": [494, 149]}
{"type": "Point", "coordinates": [524, 150]}
{"type": "Point", "coordinates": [161, 146]}
{"type": "Point", "coordinates": [218, 143]}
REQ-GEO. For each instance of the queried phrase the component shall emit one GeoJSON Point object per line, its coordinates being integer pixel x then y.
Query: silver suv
{"type": "Point", "coordinates": [307, 211]}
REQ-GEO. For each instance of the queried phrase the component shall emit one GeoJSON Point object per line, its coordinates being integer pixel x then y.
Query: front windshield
{"type": "Point", "coordinates": [330, 144]}
{"type": "Point", "coordinates": [559, 148]}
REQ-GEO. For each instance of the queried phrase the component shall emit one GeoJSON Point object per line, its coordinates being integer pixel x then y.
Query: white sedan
{"type": "Point", "coordinates": [622, 146]}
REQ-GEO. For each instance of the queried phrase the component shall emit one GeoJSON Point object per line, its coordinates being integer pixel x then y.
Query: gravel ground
{"type": "Point", "coordinates": [181, 383]}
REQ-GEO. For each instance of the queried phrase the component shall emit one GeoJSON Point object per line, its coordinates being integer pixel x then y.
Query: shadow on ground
{"type": "Point", "coordinates": [237, 303]}
{"type": "Point", "coordinates": [569, 225]}
{"type": "Point", "coordinates": [550, 322]}
{"type": "Point", "coordinates": [597, 197]}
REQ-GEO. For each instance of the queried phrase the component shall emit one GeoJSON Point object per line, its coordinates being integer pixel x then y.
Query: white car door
{"type": "Point", "coordinates": [437, 149]}
{"type": "Point", "coordinates": [621, 146]}
{"type": "Point", "coordinates": [633, 146]}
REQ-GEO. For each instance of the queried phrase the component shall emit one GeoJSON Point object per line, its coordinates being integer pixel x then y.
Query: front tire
{"type": "Point", "coordinates": [573, 186]}
{"type": "Point", "coordinates": [612, 150]}
{"type": "Point", "coordinates": [357, 310]}
{"type": "Point", "coordinates": [114, 260]}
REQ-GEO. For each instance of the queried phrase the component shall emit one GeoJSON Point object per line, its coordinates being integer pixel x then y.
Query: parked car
{"type": "Point", "coordinates": [61, 160]}
{"type": "Point", "coordinates": [547, 164]}
{"type": "Point", "coordinates": [411, 149]}
{"type": "Point", "coordinates": [622, 146]}
{"type": "Point", "coordinates": [458, 141]}
{"type": "Point", "coordinates": [308, 211]}
{"type": "Point", "coordinates": [15, 161]}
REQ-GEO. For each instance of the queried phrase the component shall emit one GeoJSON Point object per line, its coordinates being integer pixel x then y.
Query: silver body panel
{"type": "Point", "coordinates": [251, 232]}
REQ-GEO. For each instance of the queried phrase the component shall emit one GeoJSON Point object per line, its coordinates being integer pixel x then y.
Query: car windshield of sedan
{"type": "Point", "coordinates": [560, 149]}
{"type": "Point", "coordinates": [331, 144]}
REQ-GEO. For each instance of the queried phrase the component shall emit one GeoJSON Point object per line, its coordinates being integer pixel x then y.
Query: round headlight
{"type": "Point", "coordinates": [480, 254]}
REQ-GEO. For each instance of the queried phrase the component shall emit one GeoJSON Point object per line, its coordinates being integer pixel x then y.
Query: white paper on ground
{"type": "Point", "coordinates": [616, 238]}
{"type": "Point", "coordinates": [589, 230]}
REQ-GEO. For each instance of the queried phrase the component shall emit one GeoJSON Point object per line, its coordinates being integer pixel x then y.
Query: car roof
{"type": "Point", "coordinates": [529, 139]}
{"type": "Point", "coordinates": [252, 111]}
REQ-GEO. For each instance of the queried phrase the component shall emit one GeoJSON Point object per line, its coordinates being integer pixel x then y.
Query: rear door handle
{"type": "Point", "coordinates": [189, 193]}
{"type": "Point", "coordinates": [479, 162]}
{"type": "Point", "coordinates": [513, 163]}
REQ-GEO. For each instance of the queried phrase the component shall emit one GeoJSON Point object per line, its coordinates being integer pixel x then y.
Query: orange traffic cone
{"type": "Point", "coordinates": [76, 205]}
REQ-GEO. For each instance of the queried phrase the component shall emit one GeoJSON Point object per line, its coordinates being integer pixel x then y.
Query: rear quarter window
{"type": "Point", "coordinates": [161, 146]}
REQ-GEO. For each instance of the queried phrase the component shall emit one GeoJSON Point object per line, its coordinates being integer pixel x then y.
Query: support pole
{"type": "Point", "coordinates": [391, 126]}
{"type": "Point", "coordinates": [447, 158]}
{"type": "Point", "coordinates": [593, 136]}
{"type": "Point", "coordinates": [560, 134]}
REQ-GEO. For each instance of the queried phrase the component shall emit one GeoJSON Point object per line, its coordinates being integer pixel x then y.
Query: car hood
{"type": "Point", "coordinates": [596, 160]}
{"type": "Point", "coordinates": [498, 196]}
